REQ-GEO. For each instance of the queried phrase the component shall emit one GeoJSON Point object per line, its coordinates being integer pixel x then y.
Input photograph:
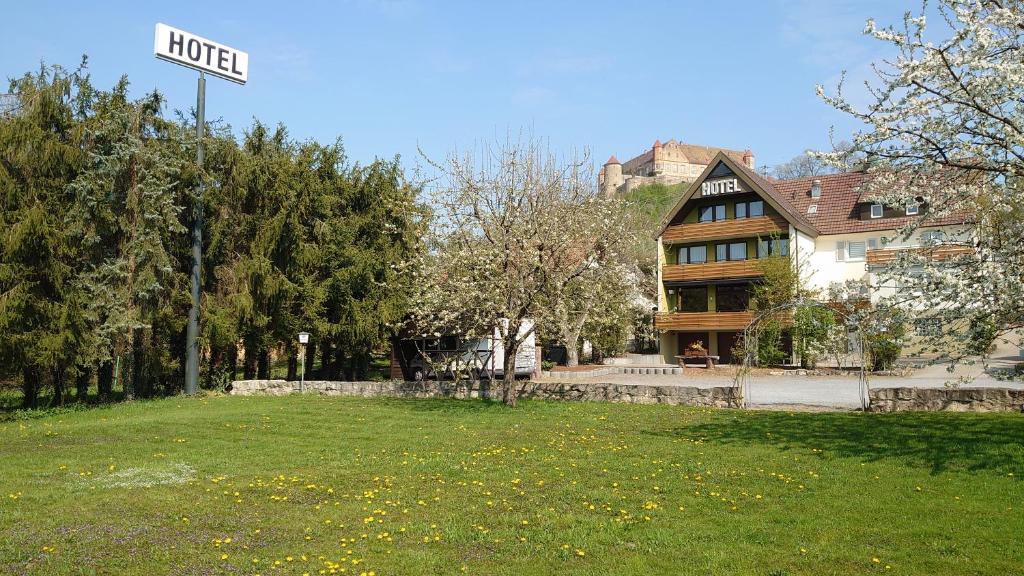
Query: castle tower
{"type": "Point", "coordinates": [612, 177]}
{"type": "Point", "coordinates": [656, 156]}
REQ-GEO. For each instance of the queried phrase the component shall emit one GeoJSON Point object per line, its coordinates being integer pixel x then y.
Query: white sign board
{"type": "Point", "coordinates": [197, 52]}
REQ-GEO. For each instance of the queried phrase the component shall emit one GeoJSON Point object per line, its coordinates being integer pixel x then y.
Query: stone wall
{"type": "Point", "coordinates": [946, 399]}
{"type": "Point", "coordinates": [720, 397]}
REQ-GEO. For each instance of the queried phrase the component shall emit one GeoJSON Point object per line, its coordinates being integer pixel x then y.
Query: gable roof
{"type": "Point", "coordinates": [761, 186]}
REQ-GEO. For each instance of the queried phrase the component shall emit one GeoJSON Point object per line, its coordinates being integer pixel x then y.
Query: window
{"type": "Point", "coordinates": [876, 210]}
{"type": "Point", "coordinates": [912, 209]}
{"type": "Point", "coordinates": [693, 299]}
{"type": "Point", "coordinates": [774, 247]}
{"type": "Point", "coordinates": [933, 237]}
{"type": "Point", "coordinates": [731, 251]}
{"type": "Point", "coordinates": [756, 208]}
{"type": "Point", "coordinates": [872, 243]}
{"type": "Point", "coordinates": [712, 213]}
{"type": "Point", "coordinates": [693, 254]}
{"type": "Point", "coordinates": [751, 209]}
{"type": "Point", "coordinates": [812, 209]}
{"type": "Point", "coordinates": [856, 250]}
{"type": "Point", "coordinates": [732, 298]}
{"type": "Point", "coordinates": [840, 251]}
{"type": "Point", "coordinates": [928, 327]}
{"type": "Point", "coordinates": [738, 251]}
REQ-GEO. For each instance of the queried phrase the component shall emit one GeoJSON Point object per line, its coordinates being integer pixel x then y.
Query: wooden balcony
{"type": "Point", "coordinates": [703, 320]}
{"type": "Point", "coordinates": [725, 229]}
{"type": "Point", "coordinates": [884, 256]}
{"type": "Point", "coordinates": [711, 271]}
{"type": "Point", "coordinates": [711, 320]}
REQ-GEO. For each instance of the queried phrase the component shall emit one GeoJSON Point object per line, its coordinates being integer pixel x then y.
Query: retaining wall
{"type": "Point", "coordinates": [720, 397]}
{"type": "Point", "coordinates": [606, 370]}
{"type": "Point", "coordinates": [946, 399]}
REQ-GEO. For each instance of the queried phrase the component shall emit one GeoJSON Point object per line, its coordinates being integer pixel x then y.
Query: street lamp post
{"type": "Point", "coordinates": [303, 340]}
{"type": "Point", "coordinates": [654, 329]}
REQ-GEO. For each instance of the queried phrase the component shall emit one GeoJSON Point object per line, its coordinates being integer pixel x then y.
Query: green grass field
{"type": "Point", "coordinates": [316, 485]}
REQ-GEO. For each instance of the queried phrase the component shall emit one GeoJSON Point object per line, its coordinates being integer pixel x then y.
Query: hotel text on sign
{"type": "Point", "coordinates": [197, 52]}
{"type": "Point", "coordinates": [716, 187]}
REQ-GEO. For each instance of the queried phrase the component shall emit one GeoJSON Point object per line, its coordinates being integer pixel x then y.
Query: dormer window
{"type": "Point", "coordinates": [912, 209]}
{"type": "Point", "coordinates": [876, 210]}
{"type": "Point", "coordinates": [812, 209]}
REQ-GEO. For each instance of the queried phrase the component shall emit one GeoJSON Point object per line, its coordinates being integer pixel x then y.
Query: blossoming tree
{"type": "Point", "coordinates": [515, 232]}
{"type": "Point", "coordinates": [944, 131]}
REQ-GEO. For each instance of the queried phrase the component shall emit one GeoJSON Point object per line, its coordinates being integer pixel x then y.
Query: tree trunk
{"type": "Point", "coordinates": [310, 357]}
{"type": "Point", "coordinates": [82, 383]}
{"type": "Point", "coordinates": [326, 363]}
{"type": "Point", "coordinates": [338, 363]}
{"type": "Point", "coordinates": [571, 335]}
{"type": "Point", "coordinates": [29, 388]}
{"type": "Point", "coordinates": [249, 366]}
{"type": "Point", "coordinates": [233, 362]}
{"type": "Point", "coordinates": [293, 365]}
{"type": "Point", "coordinates": [216, 359]}
{"type": "Point", "coordinates": [572, 354]}
{"type": "Point", "coordinates": [509, 390]}
{"type": "Point", "coordinates": [263, 365]}
{"type": "Point", "coordinates": [58, 386]}
{"type": "Point", "coordinates": [133, 384]}
{"type": "Point", "coordinates": [361, 365]}
{"type": "Point", "coordinates": [105, 379]}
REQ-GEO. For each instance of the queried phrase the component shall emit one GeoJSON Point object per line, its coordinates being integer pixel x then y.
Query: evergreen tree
{"type": "Point", "coordinates": [42, 310]}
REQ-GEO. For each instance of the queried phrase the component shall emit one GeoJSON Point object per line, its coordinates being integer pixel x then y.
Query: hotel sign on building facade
{"type": "Point", "coordinates": [721, 186]}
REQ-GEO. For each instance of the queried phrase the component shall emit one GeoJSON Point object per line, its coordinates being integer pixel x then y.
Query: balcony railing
{"type": "Point", "coordinates": [883, 256]}
{"type": "Point", "coordinates": [711, 320]}
{"type": "Point", "coordinates": [711, 270]}
{"type": "Point", "coordinates": [703, 320]}
{"type": "Point", "coordinates": [725, 229]}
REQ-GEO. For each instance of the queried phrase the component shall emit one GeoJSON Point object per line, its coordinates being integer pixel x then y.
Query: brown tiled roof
{"type": "Point", "coordinates": [793, 212]}
{"type": "Point", "coordinates": [838, 211]}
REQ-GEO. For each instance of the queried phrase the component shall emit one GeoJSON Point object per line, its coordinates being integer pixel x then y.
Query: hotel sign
{"type": "Point", "coordinates": [201, 54]}
{"type": "Point", "coordinates": [716, 187]}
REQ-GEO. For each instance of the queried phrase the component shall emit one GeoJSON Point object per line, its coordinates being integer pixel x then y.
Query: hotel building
{"type": "Point", "coordinates": [709, 244]}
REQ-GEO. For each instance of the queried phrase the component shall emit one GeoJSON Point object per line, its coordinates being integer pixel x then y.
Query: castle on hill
{"type": "Point", "coordinates": [668, 163]}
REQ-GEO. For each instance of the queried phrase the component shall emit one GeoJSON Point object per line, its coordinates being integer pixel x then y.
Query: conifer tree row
{"type": "Point", "coordinates": [95, 190]}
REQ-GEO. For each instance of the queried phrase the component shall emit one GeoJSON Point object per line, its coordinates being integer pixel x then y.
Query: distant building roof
{"type": "Point", "coordinates": [8, 104]}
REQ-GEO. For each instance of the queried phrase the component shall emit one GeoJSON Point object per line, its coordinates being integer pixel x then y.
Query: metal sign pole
{"type": "Point", "coordinates": [302, 377]}
{"type": "Point", "coordinates": [192, 333]}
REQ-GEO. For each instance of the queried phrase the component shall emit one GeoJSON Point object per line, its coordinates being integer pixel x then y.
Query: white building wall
{"type": "Point", "coordinates": [823, 268]}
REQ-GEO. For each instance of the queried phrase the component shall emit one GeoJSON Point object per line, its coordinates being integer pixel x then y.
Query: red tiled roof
{"type": "Point", "coordinates": [793, 212]}
{"type": "Point", "coordinates": [838, 211]}
{"type": "Point", "coordinates": [612, 160]}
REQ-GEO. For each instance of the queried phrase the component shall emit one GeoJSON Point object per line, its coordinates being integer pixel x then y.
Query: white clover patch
{"type": "Point", "coordinates": [148, 476]}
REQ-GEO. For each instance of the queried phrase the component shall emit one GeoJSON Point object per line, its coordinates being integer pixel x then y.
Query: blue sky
{"type": "Point", "coordinates": [389, 76]}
